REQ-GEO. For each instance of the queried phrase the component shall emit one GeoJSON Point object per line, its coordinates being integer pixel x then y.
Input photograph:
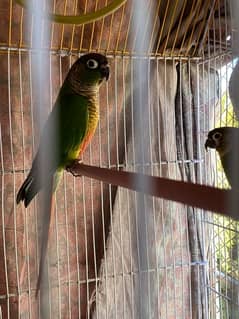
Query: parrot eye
{"type": "Point", "coordinates": [92, 64]}
{"type": "Point", "coordinates": [217, 136]}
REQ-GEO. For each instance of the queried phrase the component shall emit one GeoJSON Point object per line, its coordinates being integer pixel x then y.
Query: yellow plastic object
{"type": "Point", "coordinates": [81, 19]}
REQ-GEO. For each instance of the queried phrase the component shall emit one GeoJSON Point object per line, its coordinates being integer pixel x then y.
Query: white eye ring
{"type": "Point", "coordinates": [217, 135]}
{"type": "Point", "coordinates": [92, 64]}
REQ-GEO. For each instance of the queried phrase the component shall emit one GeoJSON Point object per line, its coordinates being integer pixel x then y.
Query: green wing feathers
{"type": "Point", "coordinates": [73, 123]}
{"type": "Point", "coordinates": [62, 136]}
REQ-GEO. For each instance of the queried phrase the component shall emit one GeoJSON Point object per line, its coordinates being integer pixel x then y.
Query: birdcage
{"type": "Point", "coordinates": [114, 252]}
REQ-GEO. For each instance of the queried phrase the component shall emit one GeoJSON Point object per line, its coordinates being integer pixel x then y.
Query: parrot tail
{"type": "Point", "coordinates": [47, 218]}
{"type": "Point", "coordinates": [28, 190]}
{"type": "Point", "coordinates": [47, 210]}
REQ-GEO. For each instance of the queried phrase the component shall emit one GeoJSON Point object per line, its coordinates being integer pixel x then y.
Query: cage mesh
{"type": "Point", "coordinates": [113, 252]}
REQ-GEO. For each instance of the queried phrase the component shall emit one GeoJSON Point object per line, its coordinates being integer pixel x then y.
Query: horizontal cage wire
{"type": "Point", "coordinates": [113, 252]}
{"type": "Point", "coordinates": [172, 28]}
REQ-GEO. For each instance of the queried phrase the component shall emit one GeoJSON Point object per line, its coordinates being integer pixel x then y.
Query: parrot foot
{"type": "Point", "coordinates": [73, 166]}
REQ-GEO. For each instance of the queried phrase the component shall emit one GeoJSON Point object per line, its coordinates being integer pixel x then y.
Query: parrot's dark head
{"type": "Point", "coordinates": [90, 70]}
{"type": "Point", "coordinates": [223, 139]}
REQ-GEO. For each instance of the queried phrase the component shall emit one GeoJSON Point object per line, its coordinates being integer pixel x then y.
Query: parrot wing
{"type": "Point", "coordinates": [230, 165]}
{"type": "Point", "coordinates": [62, 134]}
{"type": "Point", "coordinates": [73, 126]}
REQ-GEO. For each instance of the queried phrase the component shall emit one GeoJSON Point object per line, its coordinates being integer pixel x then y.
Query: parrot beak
{"type": "Point", "coordinates": [105, 71]}
{"type": "Point", "coordinates": [210, 143]}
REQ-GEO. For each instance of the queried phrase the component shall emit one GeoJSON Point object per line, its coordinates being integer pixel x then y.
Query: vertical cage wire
{"type": "Point", "coordinates": [225, 230]}
{"type": "Point", "coordinates": [167, 268]}
{"type": "Point", "coordinates": [89, 284]}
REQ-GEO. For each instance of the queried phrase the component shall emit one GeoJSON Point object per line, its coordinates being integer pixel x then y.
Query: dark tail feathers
{"type": "Point", "coordinates": [28, 190]}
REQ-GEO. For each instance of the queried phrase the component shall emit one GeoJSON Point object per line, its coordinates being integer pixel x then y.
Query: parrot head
{"type": "Point", "coordinates": [223, 139]}
{"type": "Point", "coordinates": [90, 70]}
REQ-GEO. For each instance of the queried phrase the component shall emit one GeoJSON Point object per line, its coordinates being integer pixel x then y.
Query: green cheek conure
{"type": "Point", "coordinates": [226, 142]}
{"type": "Point", "coordinates": [67, 132]}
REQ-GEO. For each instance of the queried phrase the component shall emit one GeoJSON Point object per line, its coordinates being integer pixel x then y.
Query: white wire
{"type": "Point", "coordinates": [55, 201]}
{"type": "Point", "coordinates": [67, 228]}
{"type": "Point", "coordinates": [3, 226]}
{"type": "Point", "coordinates": [149, 200]}
{"type": "Point", "coordinates": [33, 151]}
{"type": "Point", "coordinates": [128, 194]}
{"type": "Point", "coordinates": [163, 205]}
{"type": "Point", "coordinates": [103, 220]}
{"type": "Point", "coordinates": [200, 180]}
{"type": "Point", "coordinates": [77, 240]}
{"type": "Point", "coordinates": [24, 167]}
{"type": "Point", "coordinates": [183, 178]}
{"type": "Point", "coordinates": [136, 234]}
{"type": "Point", "coordinates": [14, 178]}
{"type": "Point", "coordinates": [86, 248]}
{"type": "Point", "coordinates": [152, 132]}
{"type": "Point", "coordinates": [121, 248]}
{"type": "Point", "coordinates": [111, 204]}
{"type": "Point", "coordinates": [93, 231]}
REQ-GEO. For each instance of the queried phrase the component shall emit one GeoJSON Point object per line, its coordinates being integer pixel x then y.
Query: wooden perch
{"type": "Point", "coordinates": [209, 198]}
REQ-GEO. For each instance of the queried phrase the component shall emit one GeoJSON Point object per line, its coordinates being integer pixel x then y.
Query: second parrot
{"type": "Point", "coordinates": [226, 142]}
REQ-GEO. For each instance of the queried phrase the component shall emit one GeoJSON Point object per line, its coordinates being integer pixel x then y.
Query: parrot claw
{"type": "Point", "coordinates": [71, 168]}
